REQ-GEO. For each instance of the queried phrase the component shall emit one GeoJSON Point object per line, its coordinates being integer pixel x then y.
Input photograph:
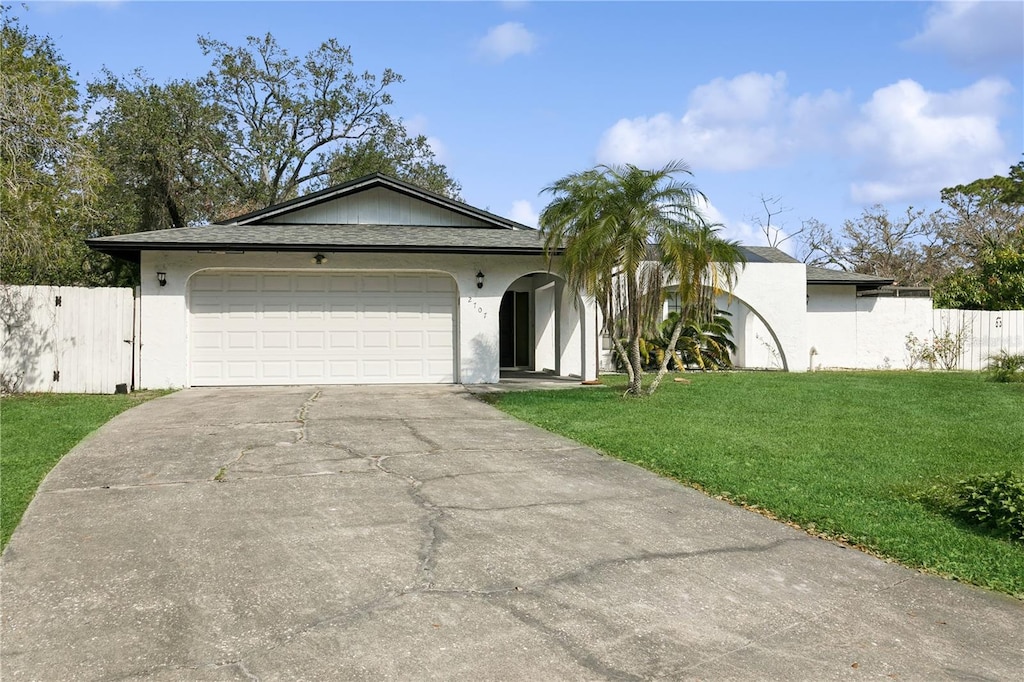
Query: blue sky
{"type": "Point", "coordinates": [828, 106]}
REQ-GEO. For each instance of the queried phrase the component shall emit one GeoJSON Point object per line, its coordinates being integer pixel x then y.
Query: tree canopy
{"type": "Point", "coordinates": [48, 173]}
{"type": "Point", "coordinates": [624, 234]}
{"type": "Point", "coordinates": [262, 126]}
{"type": "Point", "coordinates": [967, 251]}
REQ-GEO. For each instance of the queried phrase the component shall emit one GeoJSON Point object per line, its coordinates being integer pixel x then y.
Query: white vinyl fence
{"type": "Point", "coordinates": [983, 333]}
{"type": "Point", "coordinates": [66, 339]}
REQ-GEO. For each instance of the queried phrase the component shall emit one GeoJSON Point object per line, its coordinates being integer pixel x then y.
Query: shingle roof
{"type": "Point", "coordinates": [270, 237]}
{"type": "Point", "coordinates": [816, 275]}
{"type": "Point", "coordinates": [767, 254]}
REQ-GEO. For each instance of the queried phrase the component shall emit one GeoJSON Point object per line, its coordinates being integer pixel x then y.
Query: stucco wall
{"type": "Point", "coordinates": [775, 296]}
{"type": "Point", "coordinates": [164, 312]}
{"type": "Point", "coordinates": [863, 333]}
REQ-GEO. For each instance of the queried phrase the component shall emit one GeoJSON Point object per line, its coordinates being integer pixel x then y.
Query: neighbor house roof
{"type": "Point", "coordinates": [270, 230]}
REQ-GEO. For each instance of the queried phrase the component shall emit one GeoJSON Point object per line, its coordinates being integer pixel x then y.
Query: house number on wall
{"type": "Point", "coordinates": [476, 306]}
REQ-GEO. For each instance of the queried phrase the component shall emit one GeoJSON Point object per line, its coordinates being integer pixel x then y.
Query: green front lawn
{"type": "Point", "coordinates": [848, 455]}
{"type": "Point", "coordinates": [36, 431]}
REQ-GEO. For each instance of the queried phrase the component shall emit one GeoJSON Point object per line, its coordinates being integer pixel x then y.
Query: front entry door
{"type": "Point", "coordinates": [514, 330]}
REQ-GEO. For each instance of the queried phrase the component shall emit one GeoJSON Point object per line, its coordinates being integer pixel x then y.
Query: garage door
{"type": "Point", "coordinates": [255, 328]}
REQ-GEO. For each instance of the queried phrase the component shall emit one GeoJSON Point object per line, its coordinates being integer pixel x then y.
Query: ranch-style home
{"type": "Point", "coordinates": [371, 281]}
{"type": "Point", "coordinates": [379, 281]}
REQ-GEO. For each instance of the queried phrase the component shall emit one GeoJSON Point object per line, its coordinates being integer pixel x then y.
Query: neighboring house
{"type": "Point", "coordinates": [372, 281]}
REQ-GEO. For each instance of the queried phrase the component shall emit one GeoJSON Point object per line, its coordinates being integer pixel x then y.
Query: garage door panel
{"type": "Point", "coordinates": [439, 284]}
{"type": "Point", "coordinates": [409, 339]}
{"type": "Point", "coordinates": [309, 340]}
{"type": "Point", "coordinates": [345, 370]}
{"type": "Point", "coordinates": [277, 340]}
{"type": "Point", "coordinates": [344, 341]}
{"type": "Point", "coordinates": [408, 369]}
{"type": "Point", "coordinates": [376, 369]}
{"type": "Point", "coordinates": [310, 369]}
{"type": "Point", "coordinates": [242, 283]}
{"type": "Point", "coordinates": [376, 283]}
{"type": "Point", "coordinates": [278, 328]}
{"type": "Point", "coordinates": [339, 283]}
{"type": "Point", "coordinates": [242, 311]}
{"type": "Point", "coordinates": [409, 283]}
{"type": "Point", "coordinates": [208, 340]}
{"type": "Point", "coordinates": [238, 369]}
{"type": "Point", "coordinates": [376, 340]}
{"type": "Point", "coordinates": [277, 283]}
{"type": "Point", "coordinates": [241, 340]}
{"type": "Point", "coordinates": [281, 369]}
{"type": "Point", "coordinates": [344, 311]}
{"type": "Point", "coordinates": [376, 311]}
{"type": "Point", "coordinates": [207, 371]}
{"type": "Point", "coordinates": [276, 310]}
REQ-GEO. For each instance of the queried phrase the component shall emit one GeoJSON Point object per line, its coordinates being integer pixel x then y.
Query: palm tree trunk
{"type": "Point", "coordinates": [670, 351]}
{"type": "Point", "coordinates": [633, 315]}
{"type": "Point", "coordinates": [636, 379]}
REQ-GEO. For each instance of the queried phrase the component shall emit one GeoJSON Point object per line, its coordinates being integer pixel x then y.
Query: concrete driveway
{"type": "Point", "coordinates": [416, 533]}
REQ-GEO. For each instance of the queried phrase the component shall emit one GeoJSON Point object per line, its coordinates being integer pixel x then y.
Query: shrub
{"type": "Point", "coordinates": [1006, 367]}
{"type": "Point", "coordinates": [994, 501]}
{"type": "Point", "coordinates": [944, 349]}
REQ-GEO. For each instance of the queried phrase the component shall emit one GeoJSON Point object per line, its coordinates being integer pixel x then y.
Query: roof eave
{"type": "Point", "coordinates": [120, 250]}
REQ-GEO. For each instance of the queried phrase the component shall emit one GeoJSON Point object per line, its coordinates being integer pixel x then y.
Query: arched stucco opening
{"type": "Point", "coordinates": [541, 327]}
{"type": "Point", "coordinates": [757, 344]}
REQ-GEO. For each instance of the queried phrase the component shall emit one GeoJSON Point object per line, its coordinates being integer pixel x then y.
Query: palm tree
{"type": "Point", "coordinates": [703, 265]}
{"type": "Point", "coordinates": [607, 222]}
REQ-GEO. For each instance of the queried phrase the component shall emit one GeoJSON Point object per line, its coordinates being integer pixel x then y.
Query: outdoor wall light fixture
{"type": "Point", "coordinates": [162, 278]}
{"type": "Point", "coordinates": [479, 279]}
{"type": "Point", "coordinates": [319, 259]}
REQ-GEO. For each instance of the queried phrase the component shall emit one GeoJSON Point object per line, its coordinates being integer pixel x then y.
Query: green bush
{"type": "Point", "coordinates": [1006, 367]}
{"type": "Point", "coordinates": [994, 501]}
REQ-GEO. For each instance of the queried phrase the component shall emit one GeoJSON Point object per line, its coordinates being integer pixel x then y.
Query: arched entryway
{"type": "Point", "coordinates": [541, 327]}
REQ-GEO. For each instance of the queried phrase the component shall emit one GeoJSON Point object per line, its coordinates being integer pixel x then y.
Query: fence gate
{"type": "Point", "coordinates": [66, 339]}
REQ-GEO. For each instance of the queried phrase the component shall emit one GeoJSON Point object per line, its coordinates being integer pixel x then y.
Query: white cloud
{"type": "Point", "coordinates": [912, 141]}
{"type": "Point", "coordinates": [746, 122]}
{"type": "Point", "coordinates": [507, 40]}
{"type": "Point", "coordinates": [522, 212]}
{"type": "Point", "coordinates": [904, 143]}
{"type": "Point", "coordinates": [973, 33]}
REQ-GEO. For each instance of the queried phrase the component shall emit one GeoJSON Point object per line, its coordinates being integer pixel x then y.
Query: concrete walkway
{"type": "Point", "coordinates": [416, 533]}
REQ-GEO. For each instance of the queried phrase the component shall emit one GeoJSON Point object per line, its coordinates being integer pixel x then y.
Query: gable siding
{"type": "Point", "coordinates": [378, 206]}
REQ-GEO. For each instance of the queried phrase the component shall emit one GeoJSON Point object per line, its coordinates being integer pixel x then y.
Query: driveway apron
{"type": "Point", "coordinates": [417, 533]}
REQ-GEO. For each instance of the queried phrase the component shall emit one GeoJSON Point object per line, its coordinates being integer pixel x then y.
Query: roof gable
{"type": "Point", "coordinates": [375, 200]}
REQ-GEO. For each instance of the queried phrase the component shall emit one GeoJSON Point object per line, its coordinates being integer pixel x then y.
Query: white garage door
{"type": "Point", "coordinates": [255, 328]}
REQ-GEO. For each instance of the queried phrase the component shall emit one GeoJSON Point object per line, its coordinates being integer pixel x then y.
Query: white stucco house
{"type": "Point", "coordinates": [371, 281]}
{"type": "Point", "coordinates": [380, 281]}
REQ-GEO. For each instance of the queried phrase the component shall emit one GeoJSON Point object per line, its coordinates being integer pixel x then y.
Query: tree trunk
{"type": "Point", "coordinates": [636, 380]}
{"type": "Point", "coordinates": [624, 354]}
{"type": "Point", "coordinates": [669, 352]}
{"type": "Point", "coordinates": [633, 315]}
